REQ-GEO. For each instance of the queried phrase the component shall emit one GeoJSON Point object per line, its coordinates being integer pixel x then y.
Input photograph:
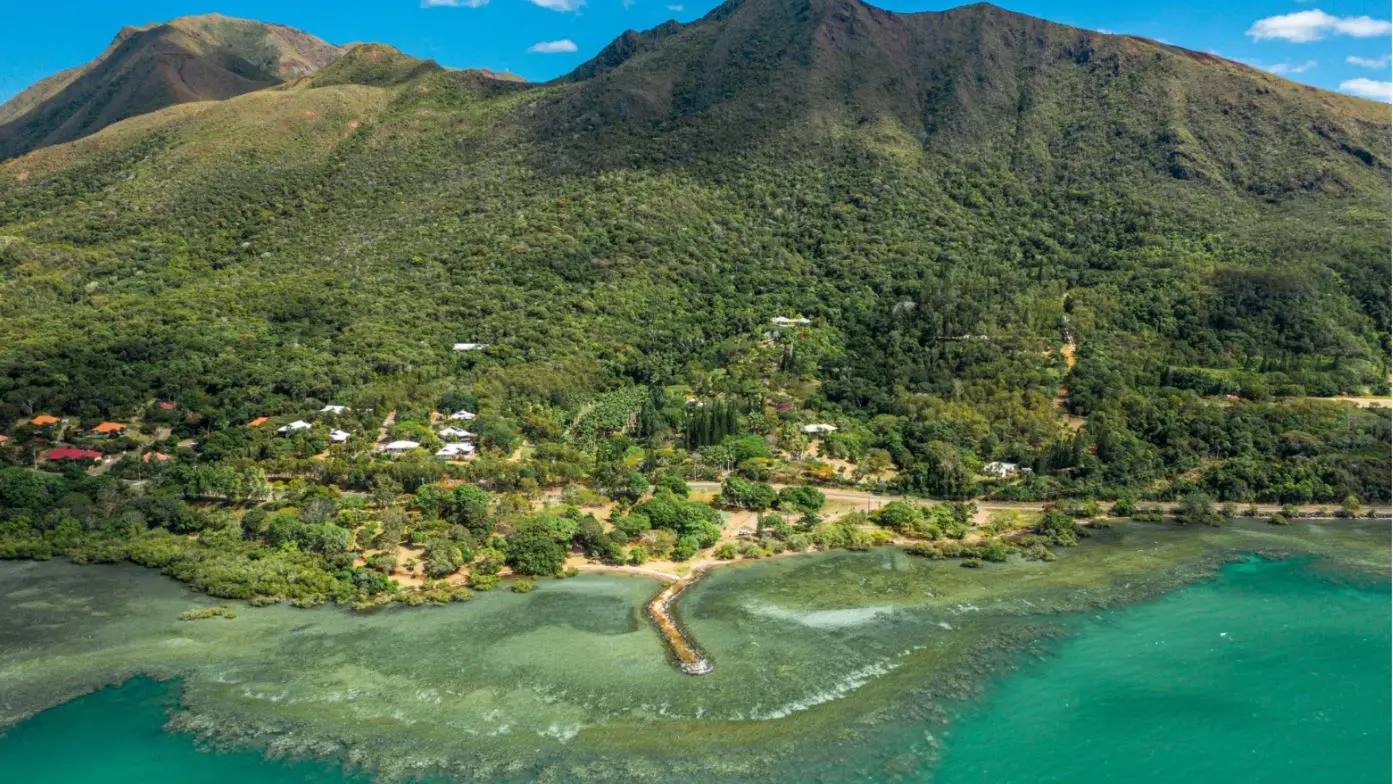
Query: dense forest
{"type": "Point", "coordinates": [1126, 270]}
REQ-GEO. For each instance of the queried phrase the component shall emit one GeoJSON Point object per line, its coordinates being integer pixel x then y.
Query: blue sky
{"type": "Point", "coordinates": [1335, 44]}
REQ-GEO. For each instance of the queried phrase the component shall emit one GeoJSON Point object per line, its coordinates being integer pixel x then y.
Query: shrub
{"type": "Point", "coordinates": [483, 582]}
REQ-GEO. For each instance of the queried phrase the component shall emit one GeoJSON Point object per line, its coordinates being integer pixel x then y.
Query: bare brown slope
{"type": "Point", "coordinates": [190, 59]}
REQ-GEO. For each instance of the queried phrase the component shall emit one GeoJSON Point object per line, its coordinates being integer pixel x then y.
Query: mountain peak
{"type": "Point", "coordinates": [1006, 86]}
{"type": "Point", "coordinates": [191, 58]}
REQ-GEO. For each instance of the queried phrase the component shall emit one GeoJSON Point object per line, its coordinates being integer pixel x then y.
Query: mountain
{"type": "Point", "coordinates": [195, 58]}
{"type": "Point", "coordinates": [951, 198]}
{"type": "Point", "coordinates": [980, 83]}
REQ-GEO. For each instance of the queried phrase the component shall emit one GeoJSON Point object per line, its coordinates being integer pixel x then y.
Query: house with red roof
{"type": "Point", "coordinates": [72, 453]}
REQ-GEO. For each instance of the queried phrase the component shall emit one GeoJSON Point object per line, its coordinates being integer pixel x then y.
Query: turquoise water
{"type": "Point", "coordinates": [831, 668]}
{"type": "Point", "coordinates": [1270, 673]}
{"type": "Point", "coordinates": [116, 736]}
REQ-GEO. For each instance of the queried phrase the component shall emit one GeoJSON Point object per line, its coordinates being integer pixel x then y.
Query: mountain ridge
{"type": "Point", "coordinates": [146, 68]}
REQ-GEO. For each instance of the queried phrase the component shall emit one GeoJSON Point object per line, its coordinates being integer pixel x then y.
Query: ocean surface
{"type": "Point", "coordinates": [1136, 658]}
{"type": "Point", "coordinates": [1271, 673]}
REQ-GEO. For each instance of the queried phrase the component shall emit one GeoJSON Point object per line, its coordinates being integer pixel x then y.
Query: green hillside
{"type": "Point", "coordinates": [949, 197]}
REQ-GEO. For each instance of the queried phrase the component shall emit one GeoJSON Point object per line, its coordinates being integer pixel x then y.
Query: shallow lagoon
{"type": "Point", "coordinates": [835, 667]}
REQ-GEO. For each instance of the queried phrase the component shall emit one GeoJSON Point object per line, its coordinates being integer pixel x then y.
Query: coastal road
{"type": "Point", "coordinates": [871, 501]}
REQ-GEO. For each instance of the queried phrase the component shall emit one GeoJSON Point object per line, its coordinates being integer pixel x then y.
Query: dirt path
{"type": "Point", "coordinates": [579, 564]}
{"type": "Point", "coordinates": [386, 425]}
{"type": "Point", "coordinates": [1070, 352]}
{"type": "Point", "coordinates": [1362, 402]}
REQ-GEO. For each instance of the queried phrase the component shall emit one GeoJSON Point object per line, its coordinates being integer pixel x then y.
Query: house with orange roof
{"type": "Point", "coordinates": [159, 457]}
{"type": "Point", "coordinates": [108, 429]}
{"type": "Point", "coordinates": [258, 422]}
{"type": "Point", "coordinates": [44, 420]}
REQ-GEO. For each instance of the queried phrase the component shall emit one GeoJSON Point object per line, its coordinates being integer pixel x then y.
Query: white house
{"type": "Point", "coordinates": [398, 447]}
{"type": "Point", "coordinates": [819, 429]}
{"type": "Point", "coordinates": [334, 409]}
{"type": "Point", "coordinates": [339, 436]}
{"type": "Point", "coordinates": [782, 321]}
{"type": "Point", "coordinates": [453, 433]}
{"type": "Point", "coordinates": [1002, 470]}
{"type": "Point", "coordinates": [294, 427]}
{"type": "Point", "coordinates": [455, 451]}
{"type": "Point", "coordinates": [462, 416]}
{"type": "Point", "coordinates": [470, 346]}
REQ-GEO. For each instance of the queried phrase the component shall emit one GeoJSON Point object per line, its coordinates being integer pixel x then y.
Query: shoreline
{"type": "Point", "coordinates": [927, 700]}
{"type": "Point", "coordinates": [687, 654]}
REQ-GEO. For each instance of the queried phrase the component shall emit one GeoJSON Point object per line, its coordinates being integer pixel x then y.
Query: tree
{"type": "Point", "coordinates": [591, 539]}
{"type": "Point", "coordinates": [535, 552]}
{"type": "Point", "coordinates": [1350, 506]}
{"type": "Point", "coordinates": [468, 506]}
{"type": "Point", "coordinates": [370, 581]}
{"type": "Point", "coordinates": [383, 562]}
{"type": "Point", "coordinates": [324, 538]}
{"type": "Point", "coordinates": [873, 464]}
{"type": "Point", "coordinates": [805, 500]}
{"type": "Point", "coordinates": [384, 489]}
{"type": "Point", "coordinates": [685, 518]}
{"type": "Point", "coordinates": [740, 493]}
{"type": "Point", "coordinates": [899, 515]}
{"type": "Point", "coordinates": [637, 486]}
{"type": "Point", "coordinates": [393, 527]}
{"type": "Point", "coordinates": [1198, 509]}
{"type": "Point", "coordinates": [685, 548]}
{"type": "Point", "coordinates": [443, 558]}
{"type": "Point", "coordinates": [1059, 528]}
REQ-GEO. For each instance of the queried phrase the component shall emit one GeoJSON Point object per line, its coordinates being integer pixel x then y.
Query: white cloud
{"type": "Point", "coordinates": [559, 5]}
{"type": "Point", "coordinates": [1305, 26]}
{"type": "Point", "coordinates": [1368, 88]}
{"type": "Point", "coordinates": [1369, 62]}
{"type": "Point", "coordinates": [454, 3]}
{"type": "Point", "coordinates": [674, 8]}
{"type": "Point", "coordinates": [1289, 68]}
{"type": "Point", "coordinates": [553, 47]}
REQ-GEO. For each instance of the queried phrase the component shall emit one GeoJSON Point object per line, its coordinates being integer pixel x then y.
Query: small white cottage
{"type": "Point", "coordinates": [1001, 470]}
{"type": "Point", "coordinates": [455, 451]}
